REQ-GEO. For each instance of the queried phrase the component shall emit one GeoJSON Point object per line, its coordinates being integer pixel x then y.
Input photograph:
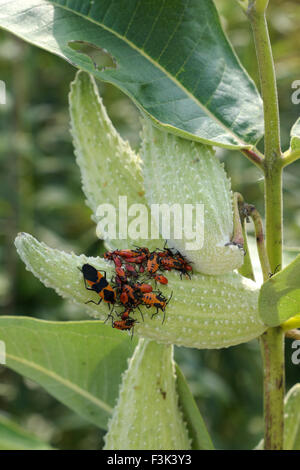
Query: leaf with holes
{"type": "Point", "coordinates": [171, 57]}
{"type": "Point", "coordinates": [79, 363]}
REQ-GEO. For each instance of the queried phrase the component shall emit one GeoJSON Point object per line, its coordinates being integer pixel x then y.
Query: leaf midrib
{"type": "Point", "coordinates": [84, 393]}
{"type": "Point", "coordinates": [144, 54]}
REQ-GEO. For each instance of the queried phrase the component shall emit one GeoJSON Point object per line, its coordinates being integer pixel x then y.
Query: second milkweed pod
{"type": "Point", "coordinates": [178, 172]}
{"type": "Point", "coordinates": [147, 415]}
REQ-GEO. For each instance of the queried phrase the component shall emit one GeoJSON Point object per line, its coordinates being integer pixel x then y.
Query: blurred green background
{"type": "Point", "coordinates": [40, 193]}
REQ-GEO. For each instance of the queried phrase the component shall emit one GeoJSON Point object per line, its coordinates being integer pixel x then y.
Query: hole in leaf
{"type": "Point", "coordinates": [101, 58]}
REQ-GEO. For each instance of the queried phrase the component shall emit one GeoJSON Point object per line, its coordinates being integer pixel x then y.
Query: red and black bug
{"type": "Point", "coordinates": [131, 271]}
{"type": "Point", "coordinates": [180, 265]}
{"type": "Point", "coordinates": [156, 300]}
{"type": "Point", "coordinates": [121, 275]}
{"type": "Point", "coordinates": [129, 295]}
{"type": "Point", "coordinates": [142, 287]}
{"type": "Point", "coordinates": [160, 278]}
{"type": "Point", "coordinates": [126, 322]}
{"type": "Point", "coordinates": [153, 263]}
{"type": "Point", "coordinates": [97, 282]}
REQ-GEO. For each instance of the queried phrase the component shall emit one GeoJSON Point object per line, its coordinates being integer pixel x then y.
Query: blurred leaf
{"type": "Point", "coordinates": [13, 437]}
{"type": "Point", "coordinates": [79, 363]}
{"type": "Point", "coordinates": [292, 419]}
{"type": "Point", "coordinates": [279, 297]}
{"type": "Point", "coordinates": [172, 59]}
{"type": "Point", "coordinates": [194, 421]}
{"type": "Point", "coordinates": [295, 135]}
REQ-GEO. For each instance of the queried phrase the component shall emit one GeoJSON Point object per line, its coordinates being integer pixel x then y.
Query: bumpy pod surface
{"type": "Point", "coordinates": [177, 171]}
{"type": "Point", "coordinates": [204, 312]}
{"type": "Point", "coordinates": [110, 169]}
{"type": "Point", "coordinates": [147, 414]}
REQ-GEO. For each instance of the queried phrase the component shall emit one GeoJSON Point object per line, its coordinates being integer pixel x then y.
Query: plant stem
{"type": "Point", "coordinates": [272, 341]}
{"type": "Point", "coordinates": [254, 157]}
{"type": "Point", "coordinates": [252, 212]}
{"type": "Point", "coordinates": [290, 157]}
{"type": "Point", "coordinates": [272, 347]}
{"type": "Point", "coordinates": [268, 83]}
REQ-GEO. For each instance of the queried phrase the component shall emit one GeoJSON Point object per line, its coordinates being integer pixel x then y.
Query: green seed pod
{"type": "Point", "coordinates": [110, 169]}
{"type": "Point", "coordinates": [180, 172]}
{"type": "Point", "coordinates": [204, 312]}
{"type": "Point", "coordinates": [147, 414]}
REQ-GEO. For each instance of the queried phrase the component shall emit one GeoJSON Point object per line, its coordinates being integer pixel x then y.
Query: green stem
{"type": "Point", "coordinates": [252, 212]}
{"type": "Point", "coordinates": [272, 341]}
{"type": "Point", "coordinates": [267, 81]}
{"type": "Point", "coordinates": [247, 269]}
{"type": "Point", "coordinates": [290, 157]}
{"type": "Point", "coordinates": [273, 207]}
{"type": "Point", "coordinates": [272, 346]}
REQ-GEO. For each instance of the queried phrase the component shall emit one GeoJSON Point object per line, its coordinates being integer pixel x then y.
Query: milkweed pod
{"type": "Point", "coordinates": [147, 415]}
{"type": "Point", "coordinates": [206, 312]}
{"type": "Point", "coordinates": [186, 179]}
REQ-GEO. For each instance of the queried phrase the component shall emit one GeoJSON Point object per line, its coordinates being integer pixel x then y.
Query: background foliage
{"type": "Point", "coordinates": [40, 193]}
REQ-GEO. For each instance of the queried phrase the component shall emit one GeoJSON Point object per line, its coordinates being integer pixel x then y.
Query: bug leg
{"type": "Point", "coordinates": [109, 316]}
{"type": "Point", "coordinates": [93, 302]}
{"type": "Point", "coordinates": [140, 312]}
{"type": "Point", "coordinates": [156, 313]}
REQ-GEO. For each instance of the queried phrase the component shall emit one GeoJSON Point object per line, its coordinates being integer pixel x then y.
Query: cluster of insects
{"type": "Point", "coordinates": [128, 288]}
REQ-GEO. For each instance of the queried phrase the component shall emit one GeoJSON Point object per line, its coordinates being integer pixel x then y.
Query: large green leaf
{"type": "Point", "coordinates": [171, 57]}
{"type": "Point", "coordinates": [279, 297]}
{"type": "Point", "coordinates": [13, 437]}
{"type": "Point", "coordinates": [79, 363]}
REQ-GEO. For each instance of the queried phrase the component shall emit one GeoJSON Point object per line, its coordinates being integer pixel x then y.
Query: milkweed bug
{"type": "Point", "coordinates": [130, 270]}
{"type": "Point", "coordinates": [129, 295]}
{"type": "Point", "coordinates": [97, 282]}
{"type": "Point", "coordinates": [169, 263]}
{"type": "Point", "coordinates": [121, 274]}
{"type": "Point", "coordinates": [117, 261]}
{"type": "Point", "coordinates": [153, 263]}
{"type": "Point", "coordinates": [126, 322]}
{"type": "Point", "coordinates": [158, 301]}
{"type": "Point", "coordinates": [144, 288]}
{"type": "Point", "coordinates": [160, 278]}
